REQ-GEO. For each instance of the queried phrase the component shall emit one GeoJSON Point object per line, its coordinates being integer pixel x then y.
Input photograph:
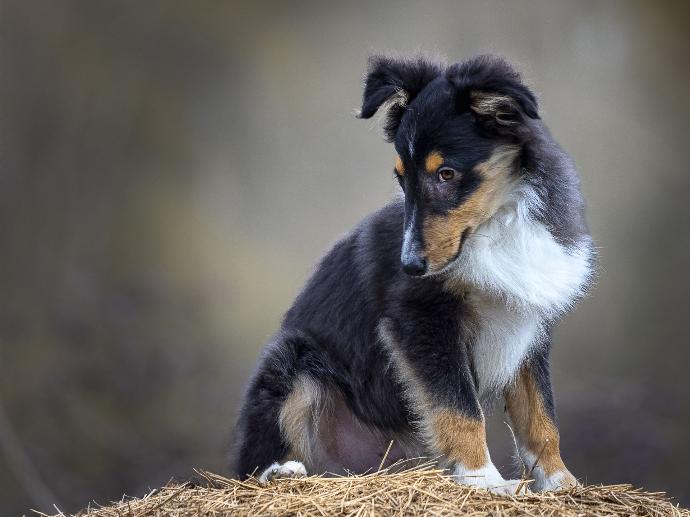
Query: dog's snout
{"type": "Point", "coordinates": [412, 254]}
{"type": "Point", "coordinates": [414, 265]}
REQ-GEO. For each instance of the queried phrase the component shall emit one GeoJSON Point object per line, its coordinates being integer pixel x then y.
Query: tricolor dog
{"type": "Point", "coordinates": [438, 303]}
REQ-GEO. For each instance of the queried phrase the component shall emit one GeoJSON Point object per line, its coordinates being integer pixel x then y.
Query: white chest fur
{"type": "Point", "coordinates": [518, 278]}
{"type": "Point", "coordinates": [502, 338]}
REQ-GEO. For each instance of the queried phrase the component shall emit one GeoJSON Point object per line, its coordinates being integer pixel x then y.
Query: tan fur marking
{"type": "Point", "coordinates": [489, 104]}
{"type": "Point", "coordinates": [298, 418]}
{"type": "Point", "coordinates": [460, 438]}
{"type": "Point", "coordinates": [456, 437]}
{"type": "Point", "coordinates": [399, 167]}
{"type": "Point", "coordinates": [442, 233]}
{"type": "Point", "coordinates": [535, 430]}
{"type": "Point", "coordinates": [433, 162]}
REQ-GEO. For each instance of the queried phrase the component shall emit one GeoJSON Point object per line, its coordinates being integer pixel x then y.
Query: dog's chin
{"type": "Point", "coordinates": [446, 268]}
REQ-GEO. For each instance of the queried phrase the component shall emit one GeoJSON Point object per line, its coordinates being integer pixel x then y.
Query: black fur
{"type": "Point", "coordinates": [388, 77]}
{"type": "Point", "coordinates": [331, 331]}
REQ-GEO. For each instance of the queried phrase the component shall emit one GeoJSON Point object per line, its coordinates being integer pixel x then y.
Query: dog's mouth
{"type": "Point", "coordinates": [448, 265]}
{"type": "Point", "coordinates": [463, 238]}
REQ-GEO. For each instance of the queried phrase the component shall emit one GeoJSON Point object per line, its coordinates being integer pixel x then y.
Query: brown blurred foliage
{"type": "Point", "coordinates": [170, 171]}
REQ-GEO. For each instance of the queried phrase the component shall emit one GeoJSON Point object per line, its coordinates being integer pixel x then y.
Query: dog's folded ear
{"type": "Point", "coordinates": [395, 82]}
{"type": "Point", "coordinates": [491, 89]}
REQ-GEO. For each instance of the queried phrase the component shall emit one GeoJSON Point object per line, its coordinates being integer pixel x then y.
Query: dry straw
{"type": "Point", "coordinates": [415, 492]}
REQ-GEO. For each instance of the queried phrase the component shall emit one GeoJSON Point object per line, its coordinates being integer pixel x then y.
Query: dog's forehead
{"type": "Point", "coordinates": [432, 124]}
{"type": "Point", "coordinates": [424, 119]}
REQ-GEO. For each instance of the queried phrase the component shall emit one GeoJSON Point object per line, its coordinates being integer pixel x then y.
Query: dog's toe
{"type": "Point", "coordinates": [289, 469]}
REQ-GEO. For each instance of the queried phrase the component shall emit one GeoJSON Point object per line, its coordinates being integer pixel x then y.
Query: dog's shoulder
{"type": "Point", "coordinates": [357, 274]}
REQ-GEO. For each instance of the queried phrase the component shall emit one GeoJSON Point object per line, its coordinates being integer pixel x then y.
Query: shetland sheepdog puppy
{"type": "Point", "coordinates": [441, 301]}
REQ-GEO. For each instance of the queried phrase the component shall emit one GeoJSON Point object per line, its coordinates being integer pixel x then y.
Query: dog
{"type": "Point", "coordinates": [438, 303]}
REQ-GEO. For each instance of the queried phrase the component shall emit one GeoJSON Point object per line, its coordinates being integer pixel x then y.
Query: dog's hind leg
{"type": "Point", "coordinates": [298, 420]}
{"type": "Point", "coordinates": [276, 431]}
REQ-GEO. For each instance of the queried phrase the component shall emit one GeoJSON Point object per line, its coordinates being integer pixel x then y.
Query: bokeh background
{"type": "Point", "coordinates": [170, 171]}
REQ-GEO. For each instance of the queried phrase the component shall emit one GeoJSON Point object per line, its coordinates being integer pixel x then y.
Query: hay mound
{"type": "Point", "coordinates": [413, 492]}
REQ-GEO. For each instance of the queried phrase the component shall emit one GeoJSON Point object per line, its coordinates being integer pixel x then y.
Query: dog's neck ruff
{"type": "Point", "coordinates": [515, 278]}
{"type": "Point", "coordinates": [513, 257]}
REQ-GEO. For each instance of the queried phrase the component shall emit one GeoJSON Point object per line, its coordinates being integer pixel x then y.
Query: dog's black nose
{"type": "Point", "coordinates": [414, 265]}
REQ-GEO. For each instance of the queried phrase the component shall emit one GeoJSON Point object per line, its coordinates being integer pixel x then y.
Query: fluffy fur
{"type": "Point", "coordinates": [441, 300]}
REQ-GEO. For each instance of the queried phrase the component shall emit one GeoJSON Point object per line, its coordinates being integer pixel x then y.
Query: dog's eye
{"type": "Point", "coordinates": [446, 174]}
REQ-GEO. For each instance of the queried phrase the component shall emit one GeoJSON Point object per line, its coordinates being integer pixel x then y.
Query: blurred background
{"type": "Point", "coordinates": [170, 171]}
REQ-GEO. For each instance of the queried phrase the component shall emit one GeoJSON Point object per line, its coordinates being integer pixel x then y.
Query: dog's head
{"type": "Point", "coordinates": [458, 132]}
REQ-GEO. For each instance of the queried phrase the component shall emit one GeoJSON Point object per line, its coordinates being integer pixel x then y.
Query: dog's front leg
{"type": "Point", "coordinates": [435, 372]}
{"type": "Point", "coordinates": [529, 402]}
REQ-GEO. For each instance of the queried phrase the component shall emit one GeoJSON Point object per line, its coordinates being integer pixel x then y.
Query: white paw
{"type": "Point", "coordinates": [510, 487]}
{"type": "Point", "coordinates": [559, 480]}
{"type": "Point", "coordinates": [489, 478]}
{"type": "Point", "coordinates": [289, 469]}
